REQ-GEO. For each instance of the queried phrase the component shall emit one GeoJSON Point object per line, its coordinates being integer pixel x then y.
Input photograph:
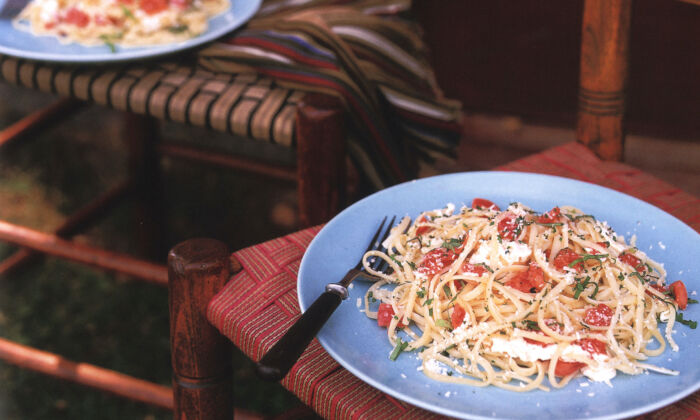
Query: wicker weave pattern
{"type": "Point", "coordinates": [259, 303]}
{"type": "Point", "coordinates": [246, 105]}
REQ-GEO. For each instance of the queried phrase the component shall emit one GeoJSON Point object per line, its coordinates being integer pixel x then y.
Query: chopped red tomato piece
{"type": "Point", "coordinates": [599, 315]}
{"type": "Point", "coordinates": [482, 203]}
{"type": "Point", "coordinates": [76, 17]}
{"type": "Point", "coordinates": [633, 261]}
{"type": "Point", "coordinates": [479, 269]}
{"type": "Point", "coordinates": [601, 244]}
{"type": "Point", "coordinates": [528, 281]}
{"type": "Point", "coordinates": [437, 260]}
{"type": "Point", "coordinates": [152, 7]}
{"type": "Point", "coordinates": [385, 314]}
{"type": "Point", "coordinates": [458, 314]}
{"type": "Point", "coordinates": [551, 216]}
{"type": "Point", "coordinates": [423, 229]}
{"type": "Point", "coordinates": [680, 294]}
{"type": "Point", "coordinates": [660, 288]}
{"type": "Point", "coordinates": [591, 345]}
{"type": "Point", "coordinates": [564, 368]}
{"type": "Point", "coordinates": [508, 226]}
{"type": "Point", "coordinates": [565, 257]}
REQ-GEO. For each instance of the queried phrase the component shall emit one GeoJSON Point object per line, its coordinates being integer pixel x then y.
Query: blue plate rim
{"type": "Point", "coordinates": [247, 11]}
{"type": "Point", "coordinates": [445, 411]}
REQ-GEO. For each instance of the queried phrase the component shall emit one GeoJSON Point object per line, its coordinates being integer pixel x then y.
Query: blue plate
{"type": "Point", "coordinates": [22, 44]}
{"type": "Point", "coordinates": [359, 345]}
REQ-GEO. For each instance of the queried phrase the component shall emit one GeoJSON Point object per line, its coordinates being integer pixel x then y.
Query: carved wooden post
{"type": "Point", "coordinates": [604, 61]}
{"type": "Point", "coordinates": [320, 158]}
{"type": "Point", "coordinates": [201, 356]}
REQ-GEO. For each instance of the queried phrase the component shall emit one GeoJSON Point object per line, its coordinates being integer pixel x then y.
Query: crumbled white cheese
{"type": "Point", "coordinates": [521, 349]}
{"type": "Point", "coordinates": [436, 367]}
{"type": "Point", "coordinates": [513, 252]}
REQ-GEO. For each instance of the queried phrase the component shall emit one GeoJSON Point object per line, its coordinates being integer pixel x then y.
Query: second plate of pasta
{"type": "Point", "coordinates": [468, 266]}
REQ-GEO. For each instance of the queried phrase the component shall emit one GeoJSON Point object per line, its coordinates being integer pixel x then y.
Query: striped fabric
{"type": "Point", "coordinates": [249, 83]}
{"type": "Point", "coordinates": [366, 55]}
{"type": "Point", "coordinates": [259, 303]}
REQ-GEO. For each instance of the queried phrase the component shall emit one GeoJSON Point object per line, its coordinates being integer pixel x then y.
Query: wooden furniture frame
{"type": "Point", "coordinates": [198, 268]}
{"type": "Point", "coordinates": [320, 178]}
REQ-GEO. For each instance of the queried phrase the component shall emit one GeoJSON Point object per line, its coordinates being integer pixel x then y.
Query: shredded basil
{"type": "Point", "coordinates": [400, 347]}
{"type": "Point", "coordinates": [690, 323]}
{"type": "Point", "coordinates": [443, 324]}
{"type": "Point", "coordinates": [587, 257]}
{"type": "Point", "coordinates": [452, 243]}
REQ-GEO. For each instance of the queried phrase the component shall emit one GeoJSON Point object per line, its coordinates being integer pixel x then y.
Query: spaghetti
{"type": "Point", "coordinates": [119, 22]}
{"type": "Point", "coordinates": [509, 298]}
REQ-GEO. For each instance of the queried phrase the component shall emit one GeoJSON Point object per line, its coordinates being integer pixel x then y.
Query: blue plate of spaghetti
{"type": "Point", "coordinates": [21, 43]}
{"type": "Point", "coordinates": [361, 346]}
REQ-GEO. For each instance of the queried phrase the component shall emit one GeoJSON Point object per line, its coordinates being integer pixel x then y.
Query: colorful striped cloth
{"type": "Point", "coordinates": [259, 304]}
{"type": "Point", "coordinates": [365, 53]}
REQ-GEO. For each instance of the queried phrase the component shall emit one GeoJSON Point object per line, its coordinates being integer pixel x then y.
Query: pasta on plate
{"type": "Point", "coordinates": [119, 22]}
{"type": "Point", "coordinates": [511, 298]}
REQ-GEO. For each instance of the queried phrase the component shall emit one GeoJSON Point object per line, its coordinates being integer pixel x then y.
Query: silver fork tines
{"type": "Point", "coordinates": [340, 288]}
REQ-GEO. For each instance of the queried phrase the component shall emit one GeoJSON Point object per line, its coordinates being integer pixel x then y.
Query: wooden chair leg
{"type": "Point", "coordinates": [201, 356]}
{"type": "Point", "coordinates": [320, 158]}
{"type": "Point", "coordinates": [144, 173]}
{"type": "Point", "coordinates": [604, 62]}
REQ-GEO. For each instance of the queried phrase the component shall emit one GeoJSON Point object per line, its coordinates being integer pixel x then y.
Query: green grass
{"type": "Point", "coordinates": [111, 320]}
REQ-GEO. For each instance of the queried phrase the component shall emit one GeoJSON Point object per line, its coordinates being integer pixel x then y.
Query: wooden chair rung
{"type": "Point", "coordinates": [86, 374]}
{"type": "Point", "coordinates": [38, 120]}
{"type": "Point", "coordinates": [53, 245]}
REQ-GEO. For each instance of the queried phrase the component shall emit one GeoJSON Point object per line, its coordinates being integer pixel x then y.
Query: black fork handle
{"type": "Point", "coordinates": [281, 357]}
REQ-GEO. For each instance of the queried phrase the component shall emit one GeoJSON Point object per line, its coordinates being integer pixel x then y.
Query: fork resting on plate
{"type": "Point", "coordinates": [281, 357]}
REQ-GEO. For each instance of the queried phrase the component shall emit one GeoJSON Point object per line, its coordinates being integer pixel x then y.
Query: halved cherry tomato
{"type": "Point", "coordinates": [591, 345]}
{"type": "Point", "coordinates": [551, 216]}
{"type": "Point", "coordinates": [680, 294]}
{"type": "Point", "coordinates": [565, 257]}
{"type": "Point", "coordinates": [508, 226]}
{"type": "Point", "coordinates": [599, 315]}
{"type": "Point", "coordinates": [633, 261]}
{"type": "Point", "coordinates": [564, 368]}
{"type": "Point", "coordinates": [528, 281]}
{"type": "Point", "coordinates": [458, 314]}
{"type": "Point", "coordinates": [152, 7]}
{"type": "Point", "coordinates": [76, 17]}
{"type": "Point", "coordinates": [385, 314]}
{"type": "Point", "coordinates": [423, 229]}
{"type": "Point", "coordinates": [482, 203]}
{"type": "Point", "coordinates": [437, 260]}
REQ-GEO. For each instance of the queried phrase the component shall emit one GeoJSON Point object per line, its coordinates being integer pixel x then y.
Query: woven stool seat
{"type": "Point", "coordinates": [259, 303]}
{"type": "Point", "coordinates": [246, 105]}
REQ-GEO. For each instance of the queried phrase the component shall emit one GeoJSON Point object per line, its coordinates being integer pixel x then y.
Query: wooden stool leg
{"type": "Point", "coordinates": [144, 174]}
{"type": "Point", "coordinates": [604, 62]}
{"type": "Point", "coordinates": [320, 159]}
{"type": "Point", "coordinates": [201, 356]}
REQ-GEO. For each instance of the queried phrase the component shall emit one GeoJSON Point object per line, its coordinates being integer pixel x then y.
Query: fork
{"type": "Point", "coordinates": [281, 357]}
